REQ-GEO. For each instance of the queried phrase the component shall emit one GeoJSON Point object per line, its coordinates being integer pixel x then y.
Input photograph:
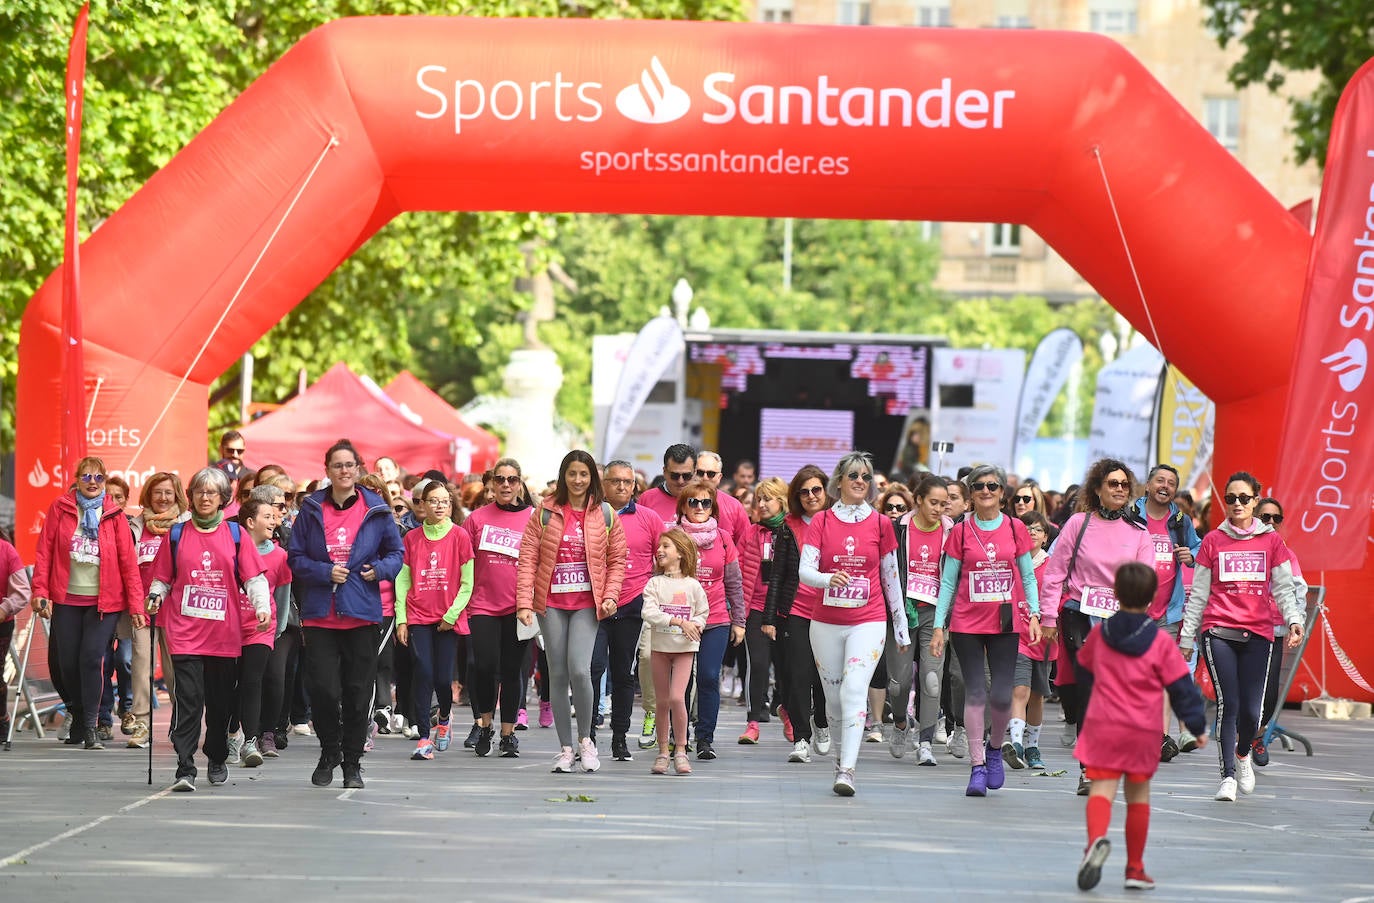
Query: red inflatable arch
{"type": "Point", "coordinates": [375, 117]}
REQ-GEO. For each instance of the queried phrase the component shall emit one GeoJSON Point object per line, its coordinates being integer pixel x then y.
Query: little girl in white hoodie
{"type": "Point", "coordinates": [675, 610]}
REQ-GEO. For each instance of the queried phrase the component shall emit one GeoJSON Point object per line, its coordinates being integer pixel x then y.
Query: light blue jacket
{"type": "Point", "coordinates": [1183, 533]}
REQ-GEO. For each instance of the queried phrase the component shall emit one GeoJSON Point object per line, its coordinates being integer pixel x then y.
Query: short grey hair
{"type": "Point", "coordinates": [210, 478]}
{"type": "Point", "coordinates": [983, 471]}
{"type": "Point", "coordinates": [618, 462]}
{"type": "Point", "coordinates": [267, 492]}
{"type": "Point", "coordinates": [848, 462]}
{"type": "Point", "coordinates": [710, 454]}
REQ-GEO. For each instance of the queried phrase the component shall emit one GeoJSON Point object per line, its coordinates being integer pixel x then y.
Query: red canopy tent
{"type": "Point", "coordinates": [409, 392]}
{"type": "Point", "coordinates": [343, 405]}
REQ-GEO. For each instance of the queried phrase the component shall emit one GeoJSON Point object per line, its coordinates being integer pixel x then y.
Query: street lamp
{"type": "Point", "coordinates": [682, 301]}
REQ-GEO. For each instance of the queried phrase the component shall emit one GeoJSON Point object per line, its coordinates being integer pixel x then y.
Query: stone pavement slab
{"type": "Point", "coordinates": [77, 824]}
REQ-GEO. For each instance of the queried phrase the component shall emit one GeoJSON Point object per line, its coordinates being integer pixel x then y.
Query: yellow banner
{"type": "Point", "coordinates": [1184, 428]}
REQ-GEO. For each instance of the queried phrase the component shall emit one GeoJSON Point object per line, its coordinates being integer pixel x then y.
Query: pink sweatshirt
{"type": "Point", "coordinates": [1106, 546]}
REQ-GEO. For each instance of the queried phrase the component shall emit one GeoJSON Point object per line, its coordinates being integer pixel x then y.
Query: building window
{"type": "Point", "coordinates": [930, 231]}
{"type": "Point", "coordinates": [933, 15]}
{"type": "Point", "coordinates": [1004, 239]}
{"type": "Point", "coordinates": [1221, 115]}
{"type": "Point", "coordinates": [853, 12]}
{"type": "Point", "coordinates": [775, 11]}
{"type": "Point", "coordinates": [1112, 16]}
{"type": "Point", "coordinates": [1012, 21]}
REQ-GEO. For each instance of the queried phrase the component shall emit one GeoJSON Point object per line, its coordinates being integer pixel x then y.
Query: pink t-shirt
{"type": "Point", "coordinates": [1166, 567]}
{"type": "Point", "coordinates": [340, 529]}
{"type": "Point", "coordinates": [145, 552]}
{"type": "Point", "coordinates": [435, 573]}
{"type": "Point", "coordinates": [988, 576]}
{"type": "Point", "coordinates": [495, 537]}
{"type": "Point", "coordinates": [1240, 595]}
{"type": "Point", "coordinates": [661, 503]}
{"type": "Point", "coordinates": [923, 550]}
{"type": "Point", "coordinates": [200, 615]}
{"type": "Point", "coordinates": [856, 549]}
{"type": "Point", "coordinates": [642, 530]}
{"type": "Point", "coordinates": [711, 565]}
{"type": "Point", "coordinates": [571, 588]}
{"type": "Point", "coordinates": [1044, 650]}
{"type": "Point", "coordinates": [807, 597]}
{"type": "Point", "coordinates": [278, 574]}
{"type": "Point", "coordinates": [1121, 728]}
{"type": "Point", "coordinates": [733, 518]}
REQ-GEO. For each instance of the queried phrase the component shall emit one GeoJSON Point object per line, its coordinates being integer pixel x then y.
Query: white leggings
{"type": "Point", "coordinates": [846, 657]}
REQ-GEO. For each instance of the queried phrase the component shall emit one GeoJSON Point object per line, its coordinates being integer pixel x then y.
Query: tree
{"type": "Point", "coordinates": [1332, 37]}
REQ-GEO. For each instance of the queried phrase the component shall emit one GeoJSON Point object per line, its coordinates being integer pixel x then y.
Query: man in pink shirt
{"type": "Point", "coordinates": [679, 469]}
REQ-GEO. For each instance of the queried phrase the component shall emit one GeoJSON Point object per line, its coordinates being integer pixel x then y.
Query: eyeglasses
{"type": "Point", "coordinates": [813, 491]}
{"type": "Point", "coordinates": [344, 465]}
{"type": "Point", "coordinates": [1117, 484]}
{"type": "Point", "coordinates": [708, 474]}
{"type": "Point", "coordinates": [1241, 499]}
{"type": "Point", "coordinates": [989, 486]}
{"type": "Point", "coordinates": [96, 478]}
{"type": "Point", "coordinates": [1274, 519]}
{"type": "Point", "coordinates": [699, 503]}
{"type": "Point", "coordinates": [233, 452]}
{"type": "Point", "coordinates": [439, 503]}
{"type": "Point", "coordinates": [280, 506]}
{"type": "Point", "coordinates": [206, 493]}
{"type": "Point", "coordinates": [1026, 499]}
{"type": "Point", "coordinates": [680, 477]}
{"type": "Point", "coordinates": [620, 481]}
{"type": "Point", "coordinates": [501, 480]}
{"type": "Point", "coordinates": [855, 475]}
{"type": "Point", "coordinates": [1036, 528]}
{"type": "Point", "coordinates": [897, 507]}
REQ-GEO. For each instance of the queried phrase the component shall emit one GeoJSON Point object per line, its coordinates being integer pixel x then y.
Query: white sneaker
{"type": "Point", "coordinates": [924, 755]}
{"type": "Point", "coordinates": [1069, 736]}
{"type": "Point", "coordinates": [899, 742]}
{"type": "Point", "coordinates": [235, 744]}
{"type": "Point", "coordinates": [591, 759]}
{"type": "Point", "coordinates": [801, 752]}
{"type": "Point", "coordinates": [410, 732]}
{"type": "Point", "coordinates": [822, 741]}
{"type": "Point", "coordinates": [941, 735]}
{"type": "Point", "coordinates": [873, 734]}
{"type": "Point", "coordinates": [302, 730]}
{"type": "Point", "coordinates": [1227, 792]}
{"type": "Point", "coordinates": [398, 723]}
{"type": "Point", "coordinates": [563, 763]}
{"type": "Point", "coordinates": [958, 743]}
{"type": "Point", "coordinates": [1245, 774]}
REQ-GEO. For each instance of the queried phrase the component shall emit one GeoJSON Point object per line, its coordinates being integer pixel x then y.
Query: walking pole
{"type": "Point", "coordinates": [152, 689]}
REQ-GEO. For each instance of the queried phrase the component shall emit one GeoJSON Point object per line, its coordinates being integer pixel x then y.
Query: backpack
{"type": "Point", "coordinates": [174, 537]}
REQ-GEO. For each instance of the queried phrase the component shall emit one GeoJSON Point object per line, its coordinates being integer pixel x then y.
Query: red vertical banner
{"type": "Point", "coordinates": [1326, 456]}
{"type": "Point", "coordinates": [73, 338]}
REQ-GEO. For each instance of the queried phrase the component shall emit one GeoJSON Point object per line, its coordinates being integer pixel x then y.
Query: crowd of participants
{"type": "Point", "coordinates": [932, 614]}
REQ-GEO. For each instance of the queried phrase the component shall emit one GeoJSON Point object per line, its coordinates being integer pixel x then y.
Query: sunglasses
{"type": "Point", "coordinates": [233, 452]}
{"type": "Point", "coordinates": [1274, 519]}
{"type": "Point", "coordinates": [505, 480]}
{"type": "Point", "coordinates": [899, 508]}
{"type": "Point", "coordinates": [1117, 484]}
{"type": "Point", "coordinates": [681, 477]}
{"type": "Point", "coordinates": [699, 503]}
{"type": "Point", "coordinates": [980, 486]}
{"type": "Point", "coordinates": [1026, 499]}
{"type": "Point", "coordinates": [855, 475]}
{"type": "Point", "coordinates": [280, 506]}
{"type": "Point", "coordinates": [708, 474]}
{"type": "Point", "coordinates": [1241, 499]}
{"type": "Point", "coordinates": [93, 478]}
{"type": "Point", "coordinates": [813, 491]}
{"type": "Point", "coordinates": [400, 509]}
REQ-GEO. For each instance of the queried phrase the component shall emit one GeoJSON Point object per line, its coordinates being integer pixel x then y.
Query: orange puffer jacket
{"type": "Point", "coordinates": [539, 550]}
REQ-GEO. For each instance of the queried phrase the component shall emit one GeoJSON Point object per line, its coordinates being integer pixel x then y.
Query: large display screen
{"type": "Point", "coordinates": [898, 375]}
{"type": "Point", "coordinates": [790, 438]}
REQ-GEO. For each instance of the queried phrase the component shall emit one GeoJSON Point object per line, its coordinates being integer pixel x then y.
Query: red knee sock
{"type": "Point", "coordinates": [1137, 829]}
{"type": "Point", "coordinates": [1099, 816]}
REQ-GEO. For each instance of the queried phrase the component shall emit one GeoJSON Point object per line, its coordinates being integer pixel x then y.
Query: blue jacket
{"type": "Point", "coordinates": [378, 543]}
{"type": "Point", "coordinates": [1183, 533]}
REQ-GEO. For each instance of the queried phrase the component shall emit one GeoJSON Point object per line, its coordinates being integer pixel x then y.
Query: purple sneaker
{"type": "Point", "coordinates": [977, 781]}
{"type": "Point", "coordinates": [522, 721]}
{"type": "Point", "coordinates": [268, 745]}
{"type": "Point", "coordinates": [371, 742]}
{"type": "Point", "coordinates": [997, 775]}
{"type": "Point", "coordinates": [545, 714]}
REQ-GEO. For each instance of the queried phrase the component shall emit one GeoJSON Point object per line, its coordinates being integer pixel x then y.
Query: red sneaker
{"type": "Point", "coordinates": [750, 735]}
{"type": "Point", "coordinates": [786, 725]}
{"type": "Point", "coordinates": [1136, 879]}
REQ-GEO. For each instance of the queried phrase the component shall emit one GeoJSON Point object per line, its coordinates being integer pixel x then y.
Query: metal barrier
{"type": "Point", "coordinates": [39, 696]}
{"type": "Point", "coordinates": [1288, 671]}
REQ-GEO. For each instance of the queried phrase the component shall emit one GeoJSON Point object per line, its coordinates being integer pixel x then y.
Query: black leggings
{"type": "Point", "coordinates": [204, 689]}
{"type": "Point", "coordinates": [274, 679]}
{"type": "Point", "coordinates": [760, 650]}
{"type": "Point", "coordinates": [1075, 626]}
{"type": "Point", "coordinates": [617, 645]}
{"type": "Point", "coordinates": [252, 668]}
{"type": "Point", "coordinates": [386, 663]}
{"type": "Point", "coordinates": [982, 655]}
{"type": "Point", "coordinates": [76, 658]}
{"type": "Point", "coordinates": [807, 700]}
{"type": "Point", "coordinates": [433, 654]}
{"type": "Point", "coordinates": [497, 656]}
{"type": "Point", "coordinates": [1271, 685]}
{"type": "Point", "coordinates": [1239, 672]}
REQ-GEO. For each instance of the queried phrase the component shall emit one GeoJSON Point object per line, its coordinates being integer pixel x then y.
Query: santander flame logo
{"type": "Point", "coordinates": [1349, 364]}
{"type": "Point", "coordinates": [655, 100]}
{"type": "Point", "coordinates": [38, 477]}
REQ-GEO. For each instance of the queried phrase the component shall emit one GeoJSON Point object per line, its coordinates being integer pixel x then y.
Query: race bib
{"type": "Point", "coordinates": [1243, 567]}
{"type": "Point", "coordinates": [499, 540]}
{"type": "Point", "coordinates": [1164, 548]}
{"type": "Point", "coordinates": [852, 595]}
{"type": "Point", "coordinates": [767, 550]}
{"type": "Point", "coordinates": [84, 549]}
{"type": "Point", "coordinates": [1098, 602]}
{"type": "Point", "coordinates": [923, 586]}
{"type": "Point", "coordinates": [571, 577]}
{"type": "Point", "coordinates": [204, 603]}
{"type": "Point", "coordinates": [147, 549]}
{"type": "Point", "coordinates": [991, 585]}
{"type": "Point", "coordinates": [676, 609]}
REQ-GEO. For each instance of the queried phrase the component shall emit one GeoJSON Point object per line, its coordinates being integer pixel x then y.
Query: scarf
{"type": "Point", "coordinates": [90, 513]}
{"type": "Point", "coordinates": [521, 505]}
{"type": "Point", "coordinates": [159, 524]}
{"type": "Point", "coordinates": [1113, 514]}
{"type": "Point", "coordinates": [208, 523]}
{"type": "Point", "coordinates": [774, 522]}
{"type": "Point", "coordinates": [704, 534]}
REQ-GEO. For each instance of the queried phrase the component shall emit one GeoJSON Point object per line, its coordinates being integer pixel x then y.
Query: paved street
{"type": "Point", "coordinates": [747, 826]}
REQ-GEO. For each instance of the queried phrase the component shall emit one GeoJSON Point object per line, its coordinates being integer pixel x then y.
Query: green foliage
{"type": "Point", "coordinates": [1332, 37]}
